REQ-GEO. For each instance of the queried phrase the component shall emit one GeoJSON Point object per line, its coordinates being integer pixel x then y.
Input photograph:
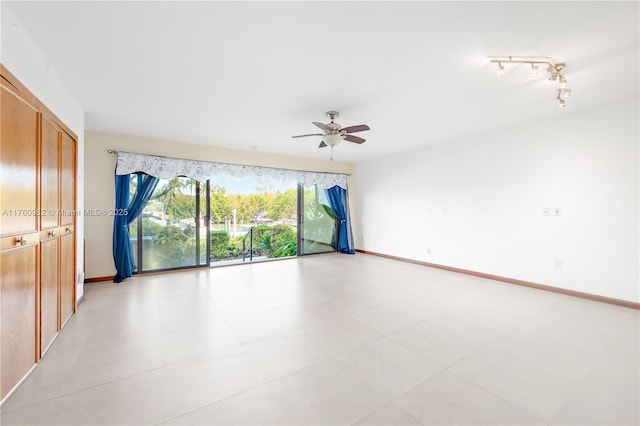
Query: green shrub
{"type": "Point", "coordinates": [236, 246]}
{"type": "Point", "coordinates": [219, 244]}
{"type": "Point", "coordinates": [274, 241]}
{"type": "Point", "coordinates": [170, 245]}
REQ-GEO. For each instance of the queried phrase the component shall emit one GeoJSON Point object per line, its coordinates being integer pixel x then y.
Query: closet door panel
{"type": "Point", "coordinates": [18, 168]}
{"type": "Point", "coordinates": [18, 314]}
{"type": "Point", "coordinates": [67, 277]}
{"type": "Point", "coordinates": [67, 239]}
{"type": "Point", "coordinates": [48, 292]}
{"type": "Point", "coordinates": [68, 181]}
{"type": "Point", "coordinates": [49, 176]}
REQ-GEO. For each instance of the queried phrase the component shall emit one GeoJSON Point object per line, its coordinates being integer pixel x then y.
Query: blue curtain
{"type": "Point", "coordinates": [339, 202]}
{"type": "Point", "coordinates": [122, 256]}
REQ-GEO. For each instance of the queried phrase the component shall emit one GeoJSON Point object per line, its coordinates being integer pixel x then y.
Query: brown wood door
{"type": "Point", "coordinates": [49, 176]}
{"type": "Point", "coordinates": [49, 246]}
{"type": "Point", "coordinates": [49, 289]}
{"type": "Point", "coordinates": [18, 306]}
{"type": "Point", "coordinates": [18, 157]}
{"type": "Point", "coordinates": [67, 277]}
{"type": "Point", "coordinates": [67, 221]}
{"type": "Point", "coordinates": [19, 124]}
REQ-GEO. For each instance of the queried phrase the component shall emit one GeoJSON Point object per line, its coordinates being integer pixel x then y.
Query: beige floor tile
{"type": "Point", "coordinates": [197, 382]}
{"type": "Point", "coordinates": [252, 327]}
{"type": "Point", "coordinates": [281, 354]}
{"type": "Point", "coordinates": [341, 334]}
{"type": "Point", "coordinates": [113, 363]}
{"type": "Point", "coordinates": [327, 392]}
{"type": "Point", "coordinates": [256, 406]}
{"type": "Point", "coordinates": [437, 344]}
{"type": "Point", "coordinates": [42, 384]}
{"type": "Point", "coordinates": [390, 415]}
{"type": "Point", "coordinates": [388, 366]}
{"type": "Point", "coordinates": [528, 386]}
{"type": "Point", "coordinates": [137, 400]}
{"type": "Point", "coordinates": [610, 393]}
{"type": "Point", "coordinates": [562, 357]}
{"type": "Point", "coordinates": [447, 399]}
{"type": "Point", "coordinates": [385, 319]}
{"type": "Point", "coordinates": [108, 334]}
{"type": "Point", "coordinates": [472, 326]}
{"type": "Point", "coordinates": [196, 342]}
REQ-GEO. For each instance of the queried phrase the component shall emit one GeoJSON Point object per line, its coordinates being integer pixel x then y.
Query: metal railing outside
{"type": "Point", "coordinates": [244, 245]}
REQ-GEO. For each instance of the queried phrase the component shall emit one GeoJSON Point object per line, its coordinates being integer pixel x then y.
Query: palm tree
{"type": "Point", "coordinates": [169, 193]}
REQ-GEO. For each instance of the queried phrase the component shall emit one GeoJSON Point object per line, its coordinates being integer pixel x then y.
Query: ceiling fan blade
{"type": "Point", "coordinates": [354, 139]}
{"type": "Point", "coordinates": [322, 145]}
{"type": "Point", "coordinates": [304, 136]}
{"type": "Point", "coordinates": [353, 129]}
{"type": "Point", "coordinates": [322, 126]}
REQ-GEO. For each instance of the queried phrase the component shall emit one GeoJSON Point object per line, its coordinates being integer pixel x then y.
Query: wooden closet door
{"type": "Point", "coordinates": [67, 238]}
{"type": "Point", "coordinates": [49, 291]}
{"type": "Point", "coordinates": [19, 124]}
{"type": "Point", "coordinates": [49, 240]}
{"type": "Point", "coordinates": [18, 156]}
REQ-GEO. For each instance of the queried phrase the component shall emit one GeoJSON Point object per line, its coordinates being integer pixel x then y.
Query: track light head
{"type": "Point", "coordinates": [564, 93]}
{"type": "Point", "coordinates": [500, 71]}
{"type": "Point", "coordinates": [562, 81]}
{"type": "Point", "coordinates": [534, 69]}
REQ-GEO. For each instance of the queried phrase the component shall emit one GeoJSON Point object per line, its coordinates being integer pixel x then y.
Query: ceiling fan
{"type": "Point", "coordinates": [334, 133]}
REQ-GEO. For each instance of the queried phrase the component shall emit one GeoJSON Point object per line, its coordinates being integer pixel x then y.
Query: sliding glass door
{"type": "Point", "coordinates": [172, 231]}
{"type": "Point", "coordinates": [189, 223]}
{"type": "Point", "coordinates": [316, 221]}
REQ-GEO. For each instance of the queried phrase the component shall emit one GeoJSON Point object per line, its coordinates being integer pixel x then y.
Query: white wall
{"type": "Point", "coordinates": [26, 61]}
{"type": "Point", "coordinates": [477, 203]}
{"type": "Point", "coordinates": [100, 191]}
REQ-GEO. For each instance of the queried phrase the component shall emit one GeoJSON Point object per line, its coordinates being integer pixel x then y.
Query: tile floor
{"type": "Point", "coordinates": [334, 339]}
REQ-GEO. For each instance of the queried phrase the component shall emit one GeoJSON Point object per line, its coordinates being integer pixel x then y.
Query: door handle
{"type": "Point", "coordinates": [21, 240]}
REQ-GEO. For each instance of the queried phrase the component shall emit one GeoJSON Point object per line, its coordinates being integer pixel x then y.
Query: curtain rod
{"type": "Point", "coordinates": [113, 151]}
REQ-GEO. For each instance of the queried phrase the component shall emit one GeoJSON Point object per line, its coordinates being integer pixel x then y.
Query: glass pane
{"type": "Point", "coordinates": [318, 223]}
{"type": "Point", "coordinates": [241, 208]}
{"type": "Point", "coordinates": [169, 238]}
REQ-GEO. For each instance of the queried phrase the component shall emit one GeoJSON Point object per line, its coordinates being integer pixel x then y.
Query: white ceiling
{"type": "Point", "coordinates": [249, 75]}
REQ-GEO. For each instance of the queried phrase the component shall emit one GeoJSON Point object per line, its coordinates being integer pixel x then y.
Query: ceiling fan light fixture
{"type": "Point", "coordinates": [332, 140]}
{"type": "Point", "coordinates": [333, 133]}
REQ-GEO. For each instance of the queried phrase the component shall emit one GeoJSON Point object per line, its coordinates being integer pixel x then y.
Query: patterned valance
{"type": "Point", "coordinates": [166, 168]}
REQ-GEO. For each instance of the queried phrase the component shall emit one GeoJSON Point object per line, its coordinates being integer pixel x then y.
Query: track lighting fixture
{"type": "Point", "coordinates": [554, 70]}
